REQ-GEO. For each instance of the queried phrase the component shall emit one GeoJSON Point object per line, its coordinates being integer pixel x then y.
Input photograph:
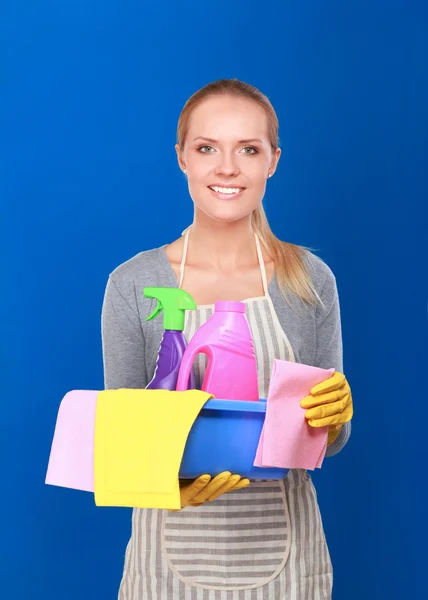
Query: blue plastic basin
{"type": "Point", "coordinates": [224, 437]}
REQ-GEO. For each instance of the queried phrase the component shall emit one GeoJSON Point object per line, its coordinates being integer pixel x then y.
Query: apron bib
{"type": "Point", "coordinates": [242, 539]}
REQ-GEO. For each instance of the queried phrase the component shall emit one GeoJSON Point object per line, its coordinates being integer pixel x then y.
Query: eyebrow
{"type": "Point", "coordinates": [252, 140]}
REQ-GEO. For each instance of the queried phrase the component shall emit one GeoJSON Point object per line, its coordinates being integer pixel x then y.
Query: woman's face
{"type": "Point", "coordinates": [228, 157]}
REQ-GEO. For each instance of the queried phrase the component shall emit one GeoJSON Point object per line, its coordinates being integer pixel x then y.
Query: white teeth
{"type": "Point", "coordinates": [222, 190]}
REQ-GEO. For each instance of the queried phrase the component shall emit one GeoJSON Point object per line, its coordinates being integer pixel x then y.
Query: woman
{"type": "Point", "coordinates": [263, 540]}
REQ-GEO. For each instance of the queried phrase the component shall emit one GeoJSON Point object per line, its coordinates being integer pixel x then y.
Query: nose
{"type": "Point", "coordinates": [227, 165]}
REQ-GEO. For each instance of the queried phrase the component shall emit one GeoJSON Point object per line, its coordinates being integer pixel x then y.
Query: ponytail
{"type": "Point", "coordinates": [291, 272]}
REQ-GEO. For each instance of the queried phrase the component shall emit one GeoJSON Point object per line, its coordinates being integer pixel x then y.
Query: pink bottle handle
{"type": "Point", "coordinates": [187, 364]}
{"type": "Point", "coordinates": [184, 372]}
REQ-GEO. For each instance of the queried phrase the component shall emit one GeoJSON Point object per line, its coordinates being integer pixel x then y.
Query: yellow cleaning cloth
{"type": "Point", "coordinates": [139, 440]}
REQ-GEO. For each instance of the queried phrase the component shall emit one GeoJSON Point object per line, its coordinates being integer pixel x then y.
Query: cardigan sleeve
{"type": "Point", "coordinates": [123, 343]}
{"type": "Point", "coordinates": [329, 349]}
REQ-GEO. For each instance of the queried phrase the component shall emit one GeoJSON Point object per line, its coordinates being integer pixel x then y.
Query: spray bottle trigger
{"type": "Point", "coordinates": [155, 313]}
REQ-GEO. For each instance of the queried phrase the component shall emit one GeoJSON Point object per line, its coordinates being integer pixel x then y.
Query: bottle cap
{"type": "Point", "coordinates": [230, 306]}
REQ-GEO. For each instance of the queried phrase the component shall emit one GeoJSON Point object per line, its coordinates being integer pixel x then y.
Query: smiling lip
{"type": "Point", "coordinates": [220, 191]}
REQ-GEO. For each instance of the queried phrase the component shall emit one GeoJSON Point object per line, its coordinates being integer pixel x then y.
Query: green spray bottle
{"type": "Point", "coordinates": [173, 302]}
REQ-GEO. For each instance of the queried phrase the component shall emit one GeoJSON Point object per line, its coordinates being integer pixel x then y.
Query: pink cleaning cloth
{"type": "Point", "coordinates": [71, 461]}
{"type": "Point", "coordinates": [287, 440]}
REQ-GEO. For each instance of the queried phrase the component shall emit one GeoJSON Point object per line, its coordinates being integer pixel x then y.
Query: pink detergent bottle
{"type": "Point", "coordinates": [226, 339]}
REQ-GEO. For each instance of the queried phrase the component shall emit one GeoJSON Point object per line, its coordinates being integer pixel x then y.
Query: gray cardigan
{"type": "Point", "coordinates": [130, 344]}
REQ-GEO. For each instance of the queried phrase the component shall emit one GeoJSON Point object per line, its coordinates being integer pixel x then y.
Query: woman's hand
{"type": "Point", "coordinates": [206, 489]}
{"type": "Point", "coordinates": [329, 404]}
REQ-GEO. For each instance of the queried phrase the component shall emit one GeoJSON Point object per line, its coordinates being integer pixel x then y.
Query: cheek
{"type": "Point", "coordinates": [198, 165]}
{"type": "Point", "coordinates": [259, 169]}
{"type": "Point", "coordinates": [259, 179]}
{"type": "Point", "coordinates": [256, 180]}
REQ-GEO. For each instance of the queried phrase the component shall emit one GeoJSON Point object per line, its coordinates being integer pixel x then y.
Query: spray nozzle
{"type": "Point", "coordinates": [174, 302]}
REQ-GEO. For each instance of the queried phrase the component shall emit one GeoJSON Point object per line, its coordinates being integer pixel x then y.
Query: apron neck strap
{"type": "Point", "coordinates": [262, 266]}
{"type": "Point", "coordinates": [184, 256]}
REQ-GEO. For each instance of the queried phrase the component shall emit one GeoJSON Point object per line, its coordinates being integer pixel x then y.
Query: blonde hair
{"type": "Point", "coordinates": [291, 271]}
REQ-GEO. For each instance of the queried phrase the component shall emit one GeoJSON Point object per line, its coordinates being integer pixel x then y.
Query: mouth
{"type": "Point", "coordinates": [226, 193]}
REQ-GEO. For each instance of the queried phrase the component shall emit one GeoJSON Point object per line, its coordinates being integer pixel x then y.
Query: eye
{"type": "Point", "coordinates": [250, 150]}
{"type": "Point", "coordinates": [205, 149]}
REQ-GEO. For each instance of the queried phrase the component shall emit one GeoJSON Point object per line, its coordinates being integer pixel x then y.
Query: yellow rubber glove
{"type": "Point", "coordinates": [206, 489]}
{"type": "Point", "coordinates": [329, 404]}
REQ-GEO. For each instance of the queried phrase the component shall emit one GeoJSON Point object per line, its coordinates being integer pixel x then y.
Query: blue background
{"type": "Point", "coordinates": [90, 93]}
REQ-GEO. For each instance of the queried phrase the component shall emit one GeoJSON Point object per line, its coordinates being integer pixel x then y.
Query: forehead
{"type": "Point", "coordinates": [228, 117]}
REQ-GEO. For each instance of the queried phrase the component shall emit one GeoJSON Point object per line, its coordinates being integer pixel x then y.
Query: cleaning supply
{"type": "Point", "coordinates": [71, 460]}
{"type": "Point", "coordinates": [226, 340]}
{"type": "Point", "coordinates": [174, 302]}
{"type": "Point", "coordinates": [139, 441]}
{"type": "Point", "coordinates": [287, 440]}
{"type": "Point", "coordinates": [225, 437]}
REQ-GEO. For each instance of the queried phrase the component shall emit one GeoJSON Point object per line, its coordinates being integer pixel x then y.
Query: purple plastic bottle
{"type": "Point", "coordinates": [174, 302]}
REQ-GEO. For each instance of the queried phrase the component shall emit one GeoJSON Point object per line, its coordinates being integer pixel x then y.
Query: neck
{"type": "Point", "coordinates": [222, 245]}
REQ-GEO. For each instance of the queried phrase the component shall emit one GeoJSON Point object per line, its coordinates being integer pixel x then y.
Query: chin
{"type": "Point", "coordinates": [228, 213]}
{"type": "Point", "coordinates": [229, 216]}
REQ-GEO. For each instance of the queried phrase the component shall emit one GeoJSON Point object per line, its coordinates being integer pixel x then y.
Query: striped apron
{"type": "Point", "coordinates": [265, 542]}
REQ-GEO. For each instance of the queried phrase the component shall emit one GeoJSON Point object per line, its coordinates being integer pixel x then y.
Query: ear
{"type": "Point", "coordinates": [181, 162]}
{"type": "Point", "coordinates": [275, 158]}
